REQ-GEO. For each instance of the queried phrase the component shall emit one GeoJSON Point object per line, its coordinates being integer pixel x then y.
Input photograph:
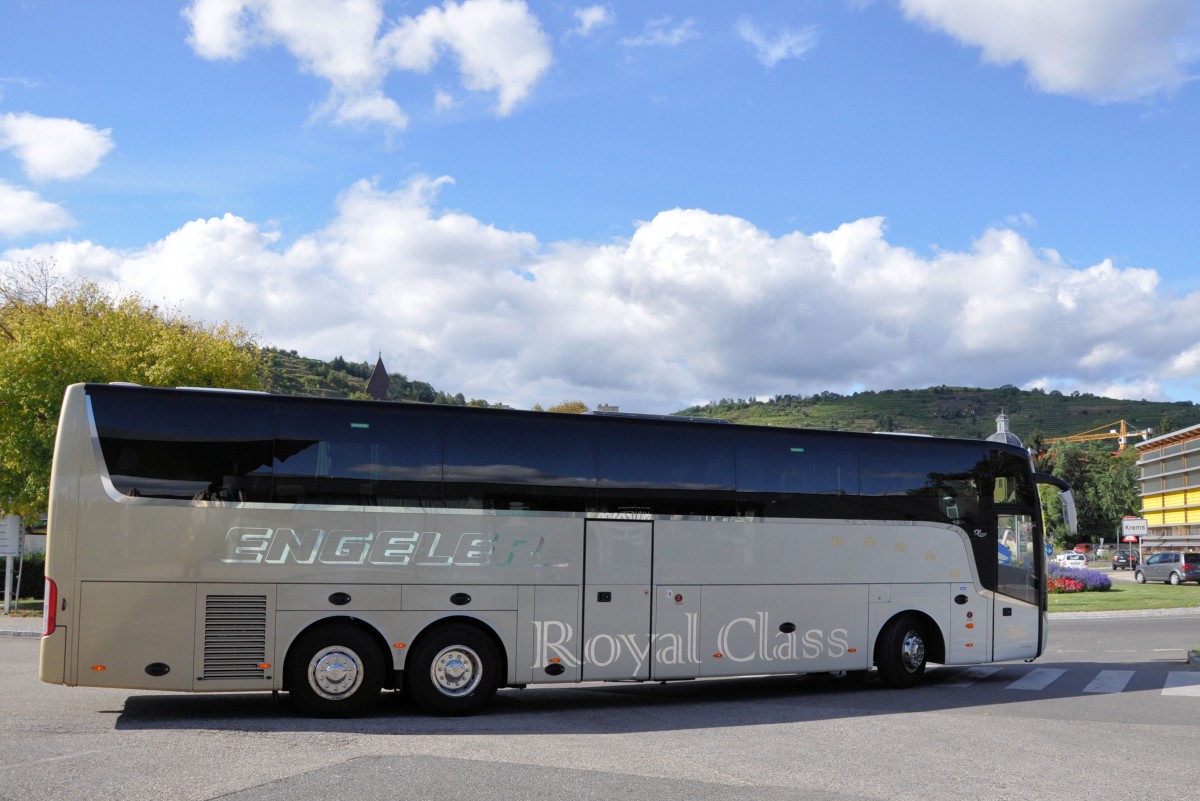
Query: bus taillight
{"type": "Point", "coordinates": [50, 608]}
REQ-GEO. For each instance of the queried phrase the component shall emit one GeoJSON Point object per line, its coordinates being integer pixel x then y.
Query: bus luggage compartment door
{"type": "Point", "coordinates": [137, 635]}
{"type": "Point", "coordinates": [616, 609]}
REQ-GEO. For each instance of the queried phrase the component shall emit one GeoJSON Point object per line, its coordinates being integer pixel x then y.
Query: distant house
{"type": "Point", "coordinates": [377, 384]}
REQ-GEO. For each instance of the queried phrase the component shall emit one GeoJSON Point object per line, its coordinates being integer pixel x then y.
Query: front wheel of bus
{"type": "Point", "coordinates": [900, 652]}
{"type": "Point", "coordinates": [334, 672]}
{"type": "Point", "coordinates": [453, 670]}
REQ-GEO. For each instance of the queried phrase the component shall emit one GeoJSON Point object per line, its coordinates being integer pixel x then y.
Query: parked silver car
{"type": "Point", "coordinates": [1072, 559]}
{"type": "Point", "coordinates": [1172, 568]}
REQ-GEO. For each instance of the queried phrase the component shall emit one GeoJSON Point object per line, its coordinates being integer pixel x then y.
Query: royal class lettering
{"type": "Point", "coordinates": [278, 546]}
{"type": "Point", "coordinates": [779, 647]}
{"type": "Point", "coordinates": [553, 641]}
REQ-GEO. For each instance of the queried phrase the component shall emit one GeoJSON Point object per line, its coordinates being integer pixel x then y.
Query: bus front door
{"type": "Point", "coordinates": [1016, 617]}
{"type": "Point", "coordinates": [616, 606]}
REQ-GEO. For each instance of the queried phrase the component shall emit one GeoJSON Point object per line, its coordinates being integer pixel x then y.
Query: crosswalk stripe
{"type": "Point", "coordinates": [971, 675]}
{"type": "Point", "coordinates": [1178, 683]}
{"type": "Point", "coordinates": [1109, 681]}
{"type": "Point", "coordinates": [1036, 679]}
{"type": "Point", "coordinates": [1182, 683]}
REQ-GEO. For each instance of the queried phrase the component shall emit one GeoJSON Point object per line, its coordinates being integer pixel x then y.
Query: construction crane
{"type": "Point", "coordinates": [1120, 431]}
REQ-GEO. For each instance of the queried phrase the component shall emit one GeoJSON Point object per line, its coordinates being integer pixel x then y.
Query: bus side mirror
{"type": "Point", "coordinates": [1065, 496]}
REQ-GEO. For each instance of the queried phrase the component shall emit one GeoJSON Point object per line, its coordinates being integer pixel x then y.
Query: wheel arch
{"type": "Point", "coordinates": [935, 648]}
{"type": "Point", "coordinates": [389, 678]}
{"type": "Point", "coordinates": [480, 625]}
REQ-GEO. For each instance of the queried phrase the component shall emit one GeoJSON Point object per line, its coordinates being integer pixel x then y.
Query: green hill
{"type": "Point", "coordinates": [291, 374]}
{"type": "Point", "coordinates": [941, 411]}
{"type": "Point", "coordinates": [955, 412]}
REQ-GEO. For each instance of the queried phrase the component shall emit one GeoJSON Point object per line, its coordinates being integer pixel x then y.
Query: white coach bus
{"type": "Point", "coordinates": [223, 542]}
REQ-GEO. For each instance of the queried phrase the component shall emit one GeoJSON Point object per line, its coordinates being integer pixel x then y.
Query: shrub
{"type": "Point", "coordinates": [1073, 579]}
{"type": "Point", "coordinates": [33, 575]}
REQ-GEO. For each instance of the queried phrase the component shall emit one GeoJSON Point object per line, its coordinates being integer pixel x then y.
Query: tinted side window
{"type": "Point", "coordinates": [1014, 483]}
{"type": "Point", "coordinates": [797, 474]}
{"type": "Point", "coordinates": [183, 446]}
{"type": "Point", "coordinates": [547, 462]}
{"type": "Point", "coordinates": [905, 479]}
{"type": "Point", "coordinates": [665, 469]}
{"type": "Point", "coordinates": [405, 462]}
{"type": "Point", "coordinates": [322, 455]}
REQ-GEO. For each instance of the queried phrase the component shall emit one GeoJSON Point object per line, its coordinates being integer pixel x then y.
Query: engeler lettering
{"type": "Point", "coordinates": [277, 546]}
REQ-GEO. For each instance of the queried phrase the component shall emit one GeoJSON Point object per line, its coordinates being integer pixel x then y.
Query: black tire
{"type": "Point", "coordinates": [1139, 577]}
{"type": "Point", "coordinates": [1175, 579]}
{"type": "Point", "coordinates": [900, 651]}
{"type": "Point", "coordinates": [453, 670]}
{"type": "Point", "coordinates": [334, 671]}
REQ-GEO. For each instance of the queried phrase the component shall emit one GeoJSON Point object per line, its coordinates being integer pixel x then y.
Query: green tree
{"type": "Point", "coordinates": [1105, 488]}
{"type": "Point", "coordinates": [54, 333]}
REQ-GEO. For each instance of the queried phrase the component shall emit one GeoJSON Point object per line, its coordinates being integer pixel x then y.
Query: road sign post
{"type": "Point", "coordinates": [10, 547]}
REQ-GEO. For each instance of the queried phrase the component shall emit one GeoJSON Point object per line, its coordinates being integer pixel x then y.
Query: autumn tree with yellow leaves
{"type": "Point", "coordinates": [54, 333]}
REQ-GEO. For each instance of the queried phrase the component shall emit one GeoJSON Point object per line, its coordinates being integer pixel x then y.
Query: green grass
{"type": "Point", "coordinates": [1127, 596]}
{"type": "Point", "coordinates": [24, 607]}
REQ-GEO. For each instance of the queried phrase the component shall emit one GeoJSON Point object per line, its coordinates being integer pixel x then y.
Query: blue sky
{"type": "Point", "coordinates": [646, 204]}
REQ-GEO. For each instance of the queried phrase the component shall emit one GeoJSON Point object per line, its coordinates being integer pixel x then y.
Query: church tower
{"type": "Point", "coordinates": [377, 384]}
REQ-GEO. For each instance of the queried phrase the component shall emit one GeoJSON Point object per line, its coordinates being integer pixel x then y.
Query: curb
{"type": "Point", "coordinates": [1180, 611]}
{"type": "Point", "coordinates": [23, 626]}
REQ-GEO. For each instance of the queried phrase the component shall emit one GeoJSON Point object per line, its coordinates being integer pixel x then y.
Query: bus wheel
{"type": "Point", "coordinates": [900, 652]}
{"type": "Point", "coordinates": [334, 672]}
{"type": "Point", "coordinates": [452, 670]}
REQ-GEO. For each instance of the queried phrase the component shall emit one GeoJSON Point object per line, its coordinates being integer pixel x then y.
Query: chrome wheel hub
{"type": "Point", "coordinates": [335, 672]}
{"type": "Point", "coordinates": [912, 652]}
{"type": "Point", "coordinates": [456, 671]}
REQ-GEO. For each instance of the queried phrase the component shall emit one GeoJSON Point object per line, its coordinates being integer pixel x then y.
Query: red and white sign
{"type": "Point", "coordinates": [1133, 528]}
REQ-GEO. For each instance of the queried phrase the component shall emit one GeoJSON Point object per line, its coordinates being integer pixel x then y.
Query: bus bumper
{"type": "Point", "coordinates": [52, 662]}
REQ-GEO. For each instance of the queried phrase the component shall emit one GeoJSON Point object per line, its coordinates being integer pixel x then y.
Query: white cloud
{"type": "Point", "coordinates": [24, 212]}
{"type": "Point", "coordinates": [590, 18]}
{"type": "Point", "coordinates": [53, 148]}
{"type": "Point", "coordinates": [663, 32]}
{"type": "Point", "coordinates": [1111, 50]}
{"type": "Point", "coordinates": [785, 44]}
{"type": "Point", "coordinates": [444, 101]}
{"type": "Point", "coordinates": [498, 44]}
{"type": "Point", "coordinates": [371, 107]}
{"type": "Point", "coordinates": [218, 28]}
{"type": "Point", "coordinates": [692, 306]}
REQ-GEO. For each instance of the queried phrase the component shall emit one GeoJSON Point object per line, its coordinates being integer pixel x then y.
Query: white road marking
{"type": "Point", "coordinates": [1109, 681]}
{"type": "Point", "coordinates": [1037, 679]}
{"type": "Point", "coordinates": [972, 675]}
{"type": "Point", "coordinates": [1182, 683]}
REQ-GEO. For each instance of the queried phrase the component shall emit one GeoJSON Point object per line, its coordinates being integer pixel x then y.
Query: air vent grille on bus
{"type": "Point", "coordinates": [235, 636]}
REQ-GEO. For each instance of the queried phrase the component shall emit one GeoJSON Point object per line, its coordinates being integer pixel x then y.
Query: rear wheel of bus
{"type": "Point", "coordinates": [334, 671]}
{"type": "Point", "coordinates": [453, 670]}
